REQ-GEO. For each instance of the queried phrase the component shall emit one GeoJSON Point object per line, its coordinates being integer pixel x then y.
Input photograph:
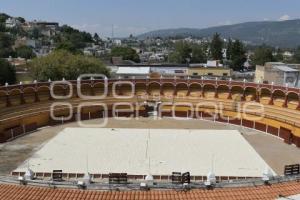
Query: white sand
{"type": "Point", "coordinates": [130, 150]}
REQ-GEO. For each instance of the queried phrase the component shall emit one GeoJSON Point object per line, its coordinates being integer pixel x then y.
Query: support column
{"type": "Point", "coordinates": [175, 90]}
{"type": "Point", "coordinates": [298, 107]}
{"type": "Point", "coordinates": [271, 102]}
{"type": "Point", "coordinates": [36, 96]}
{"type": "Point", "coordinates": [285, 104]}
{"type": "Point", "coordinates": [257, 97]}
{"type": "Point", "coordinates": [230, 94]}
{"type": "Point", "coordinates": [202, 91]}
{"type": "Point", "coordinates": [216, 93]}
{"type": "Point", "coordinates": [50, 96]}
{"type": "Point", "coordinates": [243, 98]}
{"type": "Point", "coordinates": [189, 92]}
{"type": "Point", "coordinates": [22, 98]}
{"type": "Point", "coordinates": [161, 91]}
{"type": "Point", "coordinates": [8, 103]}
{"type": "Point", "coordinates": [92, 91]}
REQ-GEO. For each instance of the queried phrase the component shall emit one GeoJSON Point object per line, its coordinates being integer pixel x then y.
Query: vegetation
{"type": "Point", "coordinates": [6, 42]}
{"type": "Point", "coordinates": [186, 53]}
{"type": "Point", "coordinates": [236, 54]}
{"type": "Point", "coordinates": [296, 57]}
{"type": "Point", "coordinates": [7, 73]}
{"type": "Point", "coordinates": [126, 53]}
{"type": "Point", "coordinates": [63, 64]}
{"type": "Point", "coordinates": [216, 47]}
{"type": "Point", "coordinates": [262, 55]}
{"type": "Point", "coordinates": [25, 52]}
{"type": "Point", "coordinates": [284, 34]}
{"type": "Point", "coordinates": [72, 40]}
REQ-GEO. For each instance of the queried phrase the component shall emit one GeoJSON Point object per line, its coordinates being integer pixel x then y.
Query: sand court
{"type": "Point", "coordinates": [144, 151]}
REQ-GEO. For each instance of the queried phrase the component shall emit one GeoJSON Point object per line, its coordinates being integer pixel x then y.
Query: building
{"type": "Point", "coordinates": [278, 73]}
{"type": "Point", "coordinates": [200, 70]}
{"type": "Point", "coordinates": [210, 69]}
{"type": "Point", "coordinates": [12, 22]}
{"type": "Point", "coordinates": [130, 72]}
{"type": "Point", "coordinates": [170, 70]}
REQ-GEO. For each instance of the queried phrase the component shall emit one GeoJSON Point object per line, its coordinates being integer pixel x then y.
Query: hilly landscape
{"type": "Point", "coordinates": [284, 34]}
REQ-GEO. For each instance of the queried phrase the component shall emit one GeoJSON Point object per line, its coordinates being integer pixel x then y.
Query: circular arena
{"type": "Point", "coordinates": [35, 116]}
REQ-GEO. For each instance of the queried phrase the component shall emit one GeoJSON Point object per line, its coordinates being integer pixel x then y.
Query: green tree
{"type": "Point", "coordinates": [279, 55]}
{"type": "Point", "coordinates": [6, 42]}
{"type": "Point", "coordinates": [96, 38]}
{"type": "Point", "coordinates": [216, 47]}
{"type": "Point", "coordinates": [296, 56]}
{"type": "Point", "coordinates": [262, 55]}
{"type": "Point", "coordinates": [229, 49]}
{"type": "Point", "coordinates": [3, 17]}
{"type": "Point", "coordinates": [36, 33]}
{"type": "Point", "coordinates": [7, 73]}
{"type": "Point", "coordinates": [181, 54]}
{"type": "Point", "coordinates": [198, 54]}
{"type": "Point", "coordinates": [63, 64]}
{"type": "Point", "coordinates": [25, 52]}
{"type": "Point", "coordinates": [237, 55]}
{"type": "Point", "coordinates": [126, 53]}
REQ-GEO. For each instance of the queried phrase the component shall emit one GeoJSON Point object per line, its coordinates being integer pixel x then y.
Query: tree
{"type": "Point", "coordinates": [126, 53]}
{"type": "Point", "coordinates": [35, 34]}
{"type": "Point", "coordinates": [21, 19]}
{"type": "Point", "coordinates": [63, 64]}
{"type": "Point", "coordinates": [229, 50]}
{"type": "Point", "coordinates": [6, 42]}
{"type": "Point", "coordinates": [279, 55]}
{"type": "Point", "coordinates": [198, 54]}
{"type": "Point", "coordinates": [262, 55]}
{"type": "Point", "coordinates": [7, 73]}
{"type": "Point", "coordinates": [25, 52]}
{"type": "Point", "coordinates": [237, 55]}
{"type": "Point", "coordinates": [3, 17]}
{"type": "Point", "coordinates": [96, 38]}
{"type": "Point", "coordinates": [296, 56]}
{"type": "Point", "coordinates": [72, 39]}
{"type": "Point", "coordinates": [216, 47]}
{"type": "Point", "coordinates": [181, 54]}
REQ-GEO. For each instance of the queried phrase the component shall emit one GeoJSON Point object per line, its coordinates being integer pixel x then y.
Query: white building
{"type": "Point", "coordinates": [12, 22]}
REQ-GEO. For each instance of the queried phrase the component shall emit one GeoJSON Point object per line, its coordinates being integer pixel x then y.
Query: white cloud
{"type": "Point", "coordinates": [284, 18]}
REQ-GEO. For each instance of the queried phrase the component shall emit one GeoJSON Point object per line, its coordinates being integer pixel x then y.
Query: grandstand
{"type": "Point", "coordinates": [269, 109]}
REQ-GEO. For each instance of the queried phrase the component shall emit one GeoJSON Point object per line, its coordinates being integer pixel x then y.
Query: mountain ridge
{"type": "Point", "coordinates": [284, 34]}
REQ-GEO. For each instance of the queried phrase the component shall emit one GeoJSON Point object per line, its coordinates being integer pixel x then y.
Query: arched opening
{"type": "Point", "coordinates": [141, 90]}
{"type": "Point", "coordinates": [99, 89]}
{"type": "Point", "coordinates": [223, 91]}
{"type": "Point", "coordinates": [250, 94]}
{"type": "Point", "coordinates": [154, 89]}
{"type": "Point", "coordinates": [292, 100]}
{"type": "Point", "coordinates": [195, 90]}
{"type": "Point", "coordinates": [237, 93]}
{"type": "Point", "coordinates": [265, 96]}
{"type": "Point", "coordinates": [86, 89]}
{"type": "Point", "coordinates": [182, 90]}
{"type": "Point", "coordinates": [3, 99]}
{"type": "Point", "coordinates": [168, 90]}
{"type": "Point", "coordinates": [125, 89]}
{"type": "Point", "coordinates": [278, 98]}
{"type": "Point", "coordinates": [60, 90]}
{"type": "Point", "coordinates": [15, 97]}
{"type": "Point", "coordinates": [43, 93]}
{"type": "Point", "coordinates": [209, 91]}
{"type": "Point", "coordinates": [29, 95]}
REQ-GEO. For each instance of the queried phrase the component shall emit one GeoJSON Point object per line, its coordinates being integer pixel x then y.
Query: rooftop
{"type": "Point", "coordinates": [271, 192]}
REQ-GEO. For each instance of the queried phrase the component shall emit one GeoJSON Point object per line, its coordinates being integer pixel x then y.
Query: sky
{"type": "Point", "coordinates": [139, 16]}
